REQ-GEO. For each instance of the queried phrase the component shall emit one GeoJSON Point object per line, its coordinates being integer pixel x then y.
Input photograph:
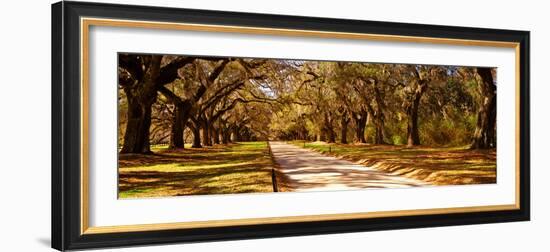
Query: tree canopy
{"type": "Point", "coordinates": [216, 100]}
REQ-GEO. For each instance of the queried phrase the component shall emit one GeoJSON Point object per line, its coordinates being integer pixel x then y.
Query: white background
{"type": "Point", "coordinates": [25, 128]}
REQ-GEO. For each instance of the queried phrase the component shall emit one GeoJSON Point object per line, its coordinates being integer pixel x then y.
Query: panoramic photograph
{"type": "Point", "coordinates": [203, 125]}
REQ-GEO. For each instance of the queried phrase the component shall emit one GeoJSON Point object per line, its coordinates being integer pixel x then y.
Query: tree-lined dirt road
{"type": "Point", "coordinates": [306, 170]}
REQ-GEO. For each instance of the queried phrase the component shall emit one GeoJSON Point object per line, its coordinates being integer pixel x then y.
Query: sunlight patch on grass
{"type": "Point", "coordinates": [132, 193]}
{"type": "Point", "coordinates": [234, 168]}
{"type": "Point", "coordinates": [181, 167]}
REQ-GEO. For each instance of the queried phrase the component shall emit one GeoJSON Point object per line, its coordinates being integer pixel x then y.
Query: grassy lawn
{"type": "Point", "coordinates": [235, 168]}
{"type": "Point", "coordinates": [440, 166]}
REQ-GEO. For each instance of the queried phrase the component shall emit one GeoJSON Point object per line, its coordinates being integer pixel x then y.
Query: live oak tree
{"type": "Point", "coordinates": [415, 84]}
{"type": "Point", "coordinates": [367, 81]}
{"type": "Point", "coordinates": [205, 83]}
{"type": "Point", "coordinates": [414, 81]}
{"type": "Point", "coordinates": [140, 76]}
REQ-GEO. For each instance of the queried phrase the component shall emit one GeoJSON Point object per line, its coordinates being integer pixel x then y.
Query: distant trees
{"type": "Point", "coordinates": [394, 104]}
{"type": "Point", "coordinates": [219, 100]}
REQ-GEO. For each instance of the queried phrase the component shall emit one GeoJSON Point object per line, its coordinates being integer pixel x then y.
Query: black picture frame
{"type": "Point", "coordinates": [66, 114]}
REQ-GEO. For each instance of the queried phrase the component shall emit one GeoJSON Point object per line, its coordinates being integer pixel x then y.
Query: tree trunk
{"type": "Point", "coordinates": [140, 100]}
{"type": "Point", "coordinates": [186, 116]}
{"type": "Point", "coordinates": [331, 135]}
{"type": "Point", "coordinates": [413, 136]}
{"type": "Point", "coordinates": [226, 136]}
{"type": "Point", "coordinates": [344, 129]}
{"type": "Point", "coordinates": [329, 128]}
{"type": "Point", "coordinates": [485, 133]}
{"type": "Point", "coordinates": [224, 132]}
{"type": "Point", "coordinates": [176, 136]}
{"type": "Point", "coordinates": [216, 135]}
{"type": "Point", "coordinates": [206, 133]}
{"type": "Point", "coordinates": [196, 136]}
{"type": "Point", "coordinates": [136, 137]}
{"type": "Point", "coordinates": [360, 132]}
{"type": "Point", "coordinates": [379, 116]}
{"type": "Point", "coordinates": [360, 120]}
{"type": "Point", "coordinates": [211, 133]}
{"type": "Point", "coordinates": [378, 122]}
{"type": "Point", "coordinates": [379, 133]}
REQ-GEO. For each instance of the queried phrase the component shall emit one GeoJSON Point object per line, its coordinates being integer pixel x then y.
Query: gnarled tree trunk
{"type": "Point", "coordinates": [379, 116]}
{"type": "Point", "coordinates": [216, 135]}
{"type": "Point", "coordinates": [140, 86]}
{"type": "Point", "coordinates": [224, 132]}
{"type": "Point", "coordinates": [344, 128]}
{"type": "Point", "coordinates": [176, 135]}
{"type": "Point", "coordinates": [195, 127]}
{"type": "Point", "coordinates": [206, 133]}
{"type": "Point", "coordinates": [378, 122]}
{"type": "Point", "coordinates": [413, 136]}
{"type": "Point", "coordinates": [136, 137]}
{"type": "Point", "coordinates": [140, 99]}
{"type": "Point", "coordinates": [485, 133]}
{"type": "Point", "coordinates": [329, 129]}
{"type": "Point", "coordinates": [360, 120]}
{"type": "Point", "coordinates": [331, 136]}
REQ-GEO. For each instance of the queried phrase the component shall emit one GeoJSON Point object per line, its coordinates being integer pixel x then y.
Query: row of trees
{"type": "Point", "coordinates": [175, 94]}
{"type": "Point", "coordinates": [391, 104]}
{"type": "Point", "coordinates": [218, 100]}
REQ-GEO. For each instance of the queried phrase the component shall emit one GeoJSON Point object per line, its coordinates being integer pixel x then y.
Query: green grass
{"type": "Point", "coordinates": [236, 168]}
{"type": "Point", "coordinates": [131, 192]}
{"type": "Point", "coordinates": [441, 166]}
{"type": "Point", "coordinates": [164, 147]}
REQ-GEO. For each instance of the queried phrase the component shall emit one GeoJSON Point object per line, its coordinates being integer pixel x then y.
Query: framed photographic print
{"type": "Point", "coordinates": [180, 125]}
